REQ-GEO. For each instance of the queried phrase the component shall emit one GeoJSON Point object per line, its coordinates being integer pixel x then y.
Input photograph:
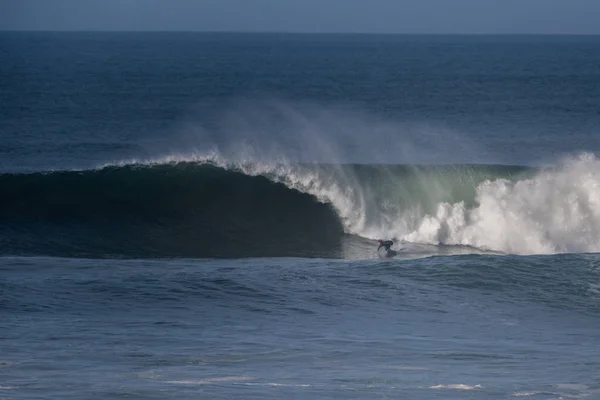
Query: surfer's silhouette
{"type": "Point", "coordinates": [386, 244]}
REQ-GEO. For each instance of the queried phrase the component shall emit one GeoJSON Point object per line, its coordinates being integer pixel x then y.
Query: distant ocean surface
{"type": "Point", "coordinates": [196, 215]}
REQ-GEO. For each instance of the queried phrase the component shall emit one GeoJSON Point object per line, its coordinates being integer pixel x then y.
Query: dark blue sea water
{"type": "Point", "coordinates": [192, 216]}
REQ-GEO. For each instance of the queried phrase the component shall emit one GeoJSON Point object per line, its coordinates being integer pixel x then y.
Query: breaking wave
{"type": "Point", "coordinates": [209, 207]}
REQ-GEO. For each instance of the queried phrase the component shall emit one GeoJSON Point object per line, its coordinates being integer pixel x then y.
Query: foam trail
{"type": "Point", "coordinates": [456, 387]}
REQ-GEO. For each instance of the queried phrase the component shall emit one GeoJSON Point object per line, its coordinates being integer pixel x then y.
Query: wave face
{"type": "Point", "coordinates": [184, 209]}
{"type": "Point", "coordinates": [208, 207]}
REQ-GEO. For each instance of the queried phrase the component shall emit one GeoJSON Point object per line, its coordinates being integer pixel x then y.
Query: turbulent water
{"type": "Point", "coordinates": [197, 215]}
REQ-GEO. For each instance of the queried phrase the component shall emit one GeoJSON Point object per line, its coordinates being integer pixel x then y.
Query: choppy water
{"type": "Point", "coordinates": [495, 326]}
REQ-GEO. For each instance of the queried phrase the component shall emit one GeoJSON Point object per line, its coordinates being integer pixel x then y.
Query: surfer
{"type": "Point", "coordinates": [386, 244]}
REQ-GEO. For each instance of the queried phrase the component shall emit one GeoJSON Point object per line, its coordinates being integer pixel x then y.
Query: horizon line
{"type": "Point", "coordinates": [296, 32]}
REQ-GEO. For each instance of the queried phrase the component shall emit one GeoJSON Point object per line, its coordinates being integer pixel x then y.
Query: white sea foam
{"type": "Point", "coordinates": [207, 381]}
{"type": "Point", "coordinates": [556, 211]}
{"type": "Point", "coordinates": [274, 384]}
{"type": "Point", "coordinates": [456, 387]}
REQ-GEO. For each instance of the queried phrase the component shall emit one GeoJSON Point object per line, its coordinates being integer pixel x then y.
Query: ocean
{"type": "Point", "coordinates": [196, 216]}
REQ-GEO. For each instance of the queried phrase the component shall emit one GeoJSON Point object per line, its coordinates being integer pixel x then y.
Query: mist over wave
{"type": "Point", "coordinates": [509, 209]}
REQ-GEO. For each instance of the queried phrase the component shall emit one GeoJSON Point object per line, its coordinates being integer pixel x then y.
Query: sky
{"type": "Point", "coordinates": [352, 16]}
